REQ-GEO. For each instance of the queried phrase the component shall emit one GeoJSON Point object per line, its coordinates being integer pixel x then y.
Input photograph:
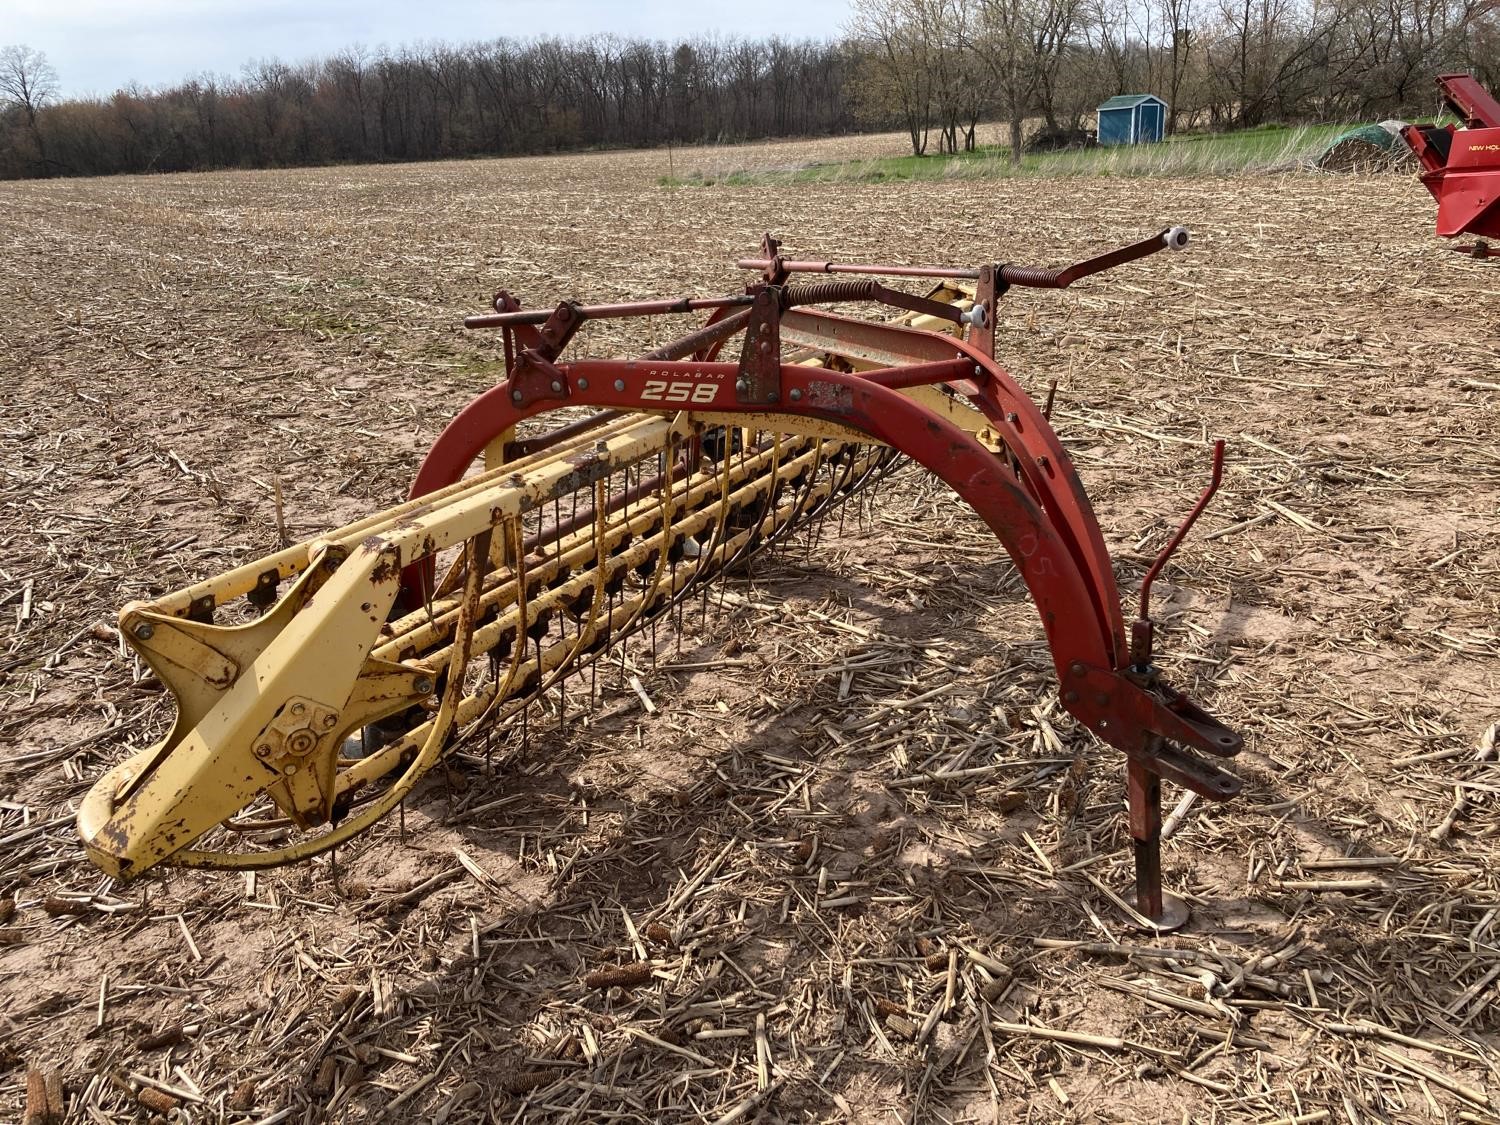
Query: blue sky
{"type": "Point", "coordinates": [97, 46]}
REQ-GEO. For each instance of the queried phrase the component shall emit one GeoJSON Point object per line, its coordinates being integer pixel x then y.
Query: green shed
{"type": "Point", "coordinates": [1132, 119]}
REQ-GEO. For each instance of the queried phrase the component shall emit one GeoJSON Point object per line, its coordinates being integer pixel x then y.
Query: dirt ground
{"type": "Point", "coordinates": [831, 934]}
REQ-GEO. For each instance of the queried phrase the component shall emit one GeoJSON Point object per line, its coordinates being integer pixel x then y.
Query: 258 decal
{"type": "Point", "coordinates": [660, 390]}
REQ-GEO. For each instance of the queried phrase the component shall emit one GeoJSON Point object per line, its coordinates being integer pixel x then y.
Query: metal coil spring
{"type": "Point", "coordinates": [820, 292]}
{"type": "Point", "coordinates": [1033, 276]}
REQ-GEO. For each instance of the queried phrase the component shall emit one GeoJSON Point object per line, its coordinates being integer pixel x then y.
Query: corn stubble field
{"type": "Point", "coordinates": [807, 925]}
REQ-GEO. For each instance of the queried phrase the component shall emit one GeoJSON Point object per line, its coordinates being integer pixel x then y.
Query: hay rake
{"type": "Point", "coordinates": [315, 686]}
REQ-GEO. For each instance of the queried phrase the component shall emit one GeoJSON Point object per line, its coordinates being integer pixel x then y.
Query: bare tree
{"type": "Point", "coordinates": [1176, 19]}
{"type": "Point", "coordinates": [28, 83]}
{"type": "Point", "coordinates": [900, 41]}
{"type": "Point", "coordinates": [1022, 44]}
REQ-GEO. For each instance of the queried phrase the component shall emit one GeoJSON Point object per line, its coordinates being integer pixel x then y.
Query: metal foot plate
{"type": "Point", "coordinates": [1174, 914]}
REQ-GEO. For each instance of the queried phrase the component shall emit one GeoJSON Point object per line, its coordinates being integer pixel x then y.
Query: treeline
{"type": "Point", "coordinates": [936, 68]}
{"type": "Point", "coordinates": [940, 66]}
{"type": "Point", "coordinates": [427, 103]}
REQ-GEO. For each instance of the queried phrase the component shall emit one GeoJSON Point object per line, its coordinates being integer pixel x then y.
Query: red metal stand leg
{"type": "Point", "coordinates": [1143, 791]}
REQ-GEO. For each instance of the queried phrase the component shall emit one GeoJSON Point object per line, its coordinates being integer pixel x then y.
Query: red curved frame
{"type": "Point", "coordinates": [1029, 495]}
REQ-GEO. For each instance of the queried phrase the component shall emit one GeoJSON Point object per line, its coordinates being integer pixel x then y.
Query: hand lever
{"type": "Point", "coordinates": [1142, 631]}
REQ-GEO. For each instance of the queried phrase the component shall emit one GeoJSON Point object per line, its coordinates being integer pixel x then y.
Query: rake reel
{"type": "Point", "coordinates": [316, 686]}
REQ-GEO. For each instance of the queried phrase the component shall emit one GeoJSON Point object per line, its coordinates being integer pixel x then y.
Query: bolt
{"type": "Point", "coordinates": [329, 721]}
{"type": "Point", "coordinates": [796, 394]}
{"type": "Point", "coordinates": [772, 396]}
{"type": "Point", "coordinates": [1013, 418]}
{"type": "Point", "coordinates": [289, 770]}
{"type": "Point", "coordinates": [619, 384]}
{"type": "Point", "coordinates": [583, 384]}
{"type": "Point", "coordinates": [601, 447]}
{"type": "Point", "coordinates": [423, 685]}
{"type": "Point", "coordinates": [977, 370]}
{"type": "Point", "coordinates": [263, 750]}
{"type": "Point", "coordinates": [144, 630]}
{"type": "Point", "coordinates": [515, 396]}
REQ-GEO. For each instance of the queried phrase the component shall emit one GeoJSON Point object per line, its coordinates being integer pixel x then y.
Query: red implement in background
{"type": "Point", "coordinates": [1461, 165]}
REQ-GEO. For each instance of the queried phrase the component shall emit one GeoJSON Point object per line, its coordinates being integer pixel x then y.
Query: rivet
{"type": "Point", "coordinates": [741, 385]}
{"type": "Point", "coordinates": [765, 347]}
{"type": "Point", "coordinates": [515, 396]}
{"type": "Point", "coordinates": [583, 384]}
{"type": "Point", "coordinates": [1079, 669]}
{"type": "Point", "coordinates": [290, 769]}
{"type": "Point", "coordinates": [619, 384]}
{"type": "Point", "coordinates": [796, 394]}
{"type": "Point", "coordinates": [1070, 697]}
{"type": "Point", "coordinates": [556, 387]}
{"type": "Point", "coordinates": [144, 630]}
{"type": "Point", "coordinates": [423, 685]}
{"type": "Point", "coordinates": [772, 396]}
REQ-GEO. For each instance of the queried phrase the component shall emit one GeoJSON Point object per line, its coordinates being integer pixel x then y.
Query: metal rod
{"type": "Point", "coordinates": [1037, 277]}
{"type": "Point", "coordinates": [703, 338]}
{"type": "Point", "coordinates": [922, 374]}
{"type": "Point", "coordinates": [1142, 629]}
{"type": "Point", "coordinates": [844, 267]}
{"type": "Point", "coordinates": [1192, 517]}
{"type": "Point", "coordinates": [525, 447]}
{"type": "Point", "coordinates": [608, 312]}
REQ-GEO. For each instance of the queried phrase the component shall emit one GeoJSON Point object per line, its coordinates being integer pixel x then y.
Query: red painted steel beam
{"type": "Point", "coordinates": [1470, 101]}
